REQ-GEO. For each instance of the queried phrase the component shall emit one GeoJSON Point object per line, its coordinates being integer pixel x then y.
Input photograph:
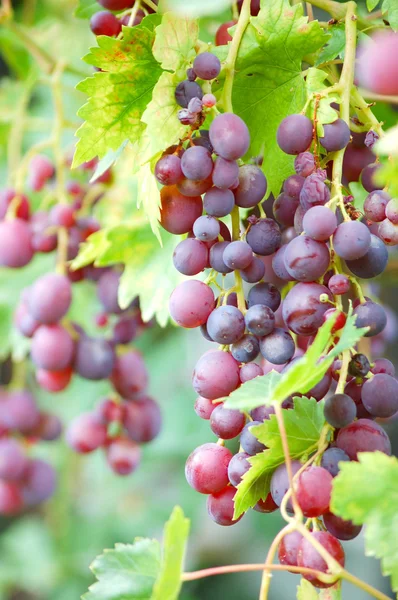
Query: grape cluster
{"type": "Point", "coordinates": [117, 13]}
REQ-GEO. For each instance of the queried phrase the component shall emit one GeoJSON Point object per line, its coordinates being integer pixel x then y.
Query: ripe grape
{"type": "Point", "coordinates": [52, 348]}
{"type": "Point", "coordinates": [229, 136]}
{"type": "Point", "coordinates": [351, 240]}
{"type": "Point", "coordinates": [314, 192]}
{"type": "Point", "coordinates": [306, 259]}
{"type": "Point", "coordinates": [204, 407]}
{"type": "Point", "coordinates": [105, 23]}
{"type": "Point", "coordinates": [340, 410]}
{"type": "Point", "coordinates": [248, 440]}
{"type": "Point", "coordinates": [196, 163]}
{"type": "Point", "coordinates": [192, 189]}
{"type": "Point", "coordinates": [264, 293]}
{"type": "Point", "coordinates": [94, 358]}
{"type": "Point", "coordinates": [363, 435]}
{"type": "Point", "coordinates": [129, 375]}
{"type": "Point", "coordinates": [391, 209]}
{"type": "Point", "coordinates": [238, 466]}
{"type": "Point", "coordinates": [308, 557]}
{"type": "Point", "coordinates": [218, 202]}
{"type": "Point", "coordinates": [278, 264]}
{"type": "Point", "coordinates": [298, 219]}
{"type": "Point", "coordinates": [262, 413]}
{"type": "Point", "coordinates": [222, 35]}
{"type": "Point", "coordinates": [383, 365]}
{"type": "Point", "coordinates": [375, 205]}
{"type": "Point", "coordinates": [355, 159]}
{"type": "Point", "coordinates": [206, 228]}
{"type": "Point", "coordinates": [178, 212]}
{"type": "Point", "coordinates": [15, 243]}
{"type": "Point", "coordinates": [191, 303]}
{"type": "Point", "coordinates": [40, 171]}
{"type": "Point", "coordinates": [265, 506]}
{"type": "Point", "coordinates": [246, 349]}
{"type": "Point", "coordinates": [24, 321]}
{"type": "Point", "coordinates": [86, 433]}
{"type": "Point", "coordinates": [377, 69]}
{"type": "Point", "coordinates": [190, 256]}
{"type": "Point", "coordinates": [254, 272]}
{"type": "Point", "coordinates": [13, 461]}
{"type": "Point", "coordinates": [124, 331]}
{"type": "Point", "coordinates": [304, 164]}
{"type": "Point", "coordinates": [339, 284]}
{"type": "Point", "coordinates": [292, 186]}
{"type": "Point", "coordinates": [186, 90]}
{"type": "Point", "coordinates": [207, 66]}
{"type": "Point", "coordinates": [294, 134]}
{"type": "Point", "coordinates": [206, 468]}
{"type": "Point", "coordinates": [209, 100]}
{"type": "Point", "coordinates": [388, 232]}
{"type": "Point", "coordinates": [260, 320]}
{"type": "Point", "coordinates": [19, 411]}
{"type": "Point", "coordinates": [142, 420]}
{"type": "Point", "coordinates": [313, 490]}
{"type": "Point", "coordinates": [22, 207]}
{"type": "Point", "coordinates": [340, 529]}
{"type": "Point", "coordinates": [372, 315]}
{"type": "Point", "coordinates": [226, 325]}
{"type": "Point", "coordinates": [280, 482]}
{"type": "Point", "coordinates": [50, 298]}
{"type": "Point", "coordinates": [49, 427]}
{"type": "Point", "coordinates": [216, 375]}
{"type": "Point", "coordinates": [264, 237]}
{"type": "Point", "coordinates": [238, 255]}
{"type": "Point", "coordinates": [302, 309]}
{"type": "Point", "coordinates": [250, 371]}
{"type": "Point", "coordinates": [331, 459]}
{"type": "Point", "coordinates": [359, 365]}
{"type": "Point", "coordinates": [380, 395]}
{"type": "Point", "coordinates": [107, 291]}
{"type": "Point", "coordinates": [319, 223]}
{"type": "Point", "coordinates": [336, 135]}
{"type": "Point", "coordinates": [226, 423]}
{"type": "Point", "coordinates": [373, 262]}
{"type": "Point", "coordinates": [220, 507]}
{"type": "Point", "coordinates": [288, 548]}
{"type": "Point", "coordinates": [251, 187]}
{"type": "Point", "coordinates": [368, 179]}
{"type": "Point", "coordinates": [285, 208]}
{"type": "Point", "coordinates": [278, 346]}
{"type": "Point", "coordinates": [168, 169]}
{"type": "Point", "coordinates": [11, 501]}
{"type": "Point", "coordinates": [54, 381]}
{"type": "Point", "coordinates": [216, 257]}
{"type": "Point", "coordinates": [123, 456]}
{"type": "Point", "coordinates": [225, 173]}
{"type": "Point", "coordinates": [40, 482]}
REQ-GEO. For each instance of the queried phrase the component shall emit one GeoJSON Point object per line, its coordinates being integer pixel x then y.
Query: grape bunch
{"type": "Point", "coordinates": [305, 239]}
{"type": "Point", "coordinates": [117, 13]}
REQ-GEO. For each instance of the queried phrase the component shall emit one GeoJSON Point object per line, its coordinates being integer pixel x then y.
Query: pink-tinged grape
{"type": "Point", "coordinates": [191, 303]}
{"type": "Point", "coordinates": [209, 100]}
{"type": "Point", "coordinates": [264, 293]}
{"type": "Point", "coordinates": [116, 4]}
{"type": "Point", "coordinates": [125, 330]}
{"type": "Point", "coordinates": [306, 259]}
{"type": "Point", "coordinates": [388, 232]}
{"type": "Point", "coordinates": [336, 135]}
{"type": "Point", "coordinates": [206, 468]}
{"type": "Point", "coordinates": [225, 172]}
{"type": "Point", "coordinates": [284, 209]}
{"type": "Point", "coordinates": [13, 460]}
{"type": "Point", "coordinates": [229, 136]}
{"type": "Point", "coordinates": [24, 321]}
{"type": "Point", "coordinates": [372, 315]}
{"type": "Point", "coordinates": [339, 528]}
{"type": "Point", "coordinates": [222, 35]}
{"type": "Point", "coordinates": [204, 407]}
{"type": "Point", "coordinates": [123, 456]}
{"type": "Point", "coordinates": [302, 309]}
{"type": "Point", "coordinates": [190, 256]}
{"type": "Point", "coordinates": [308, 557]}
{"type": "Point", "coordinates": [216, 258]}
{"type": "Point", "coordinates": [15, 243]}
{"type": "Point", "coordinates": [363, 435]}
{"type": "Point", "coordinates": [265, 506]}
{"type": "Point", "coordinates": [86, 433]}
{"type": "Point", "coordinates": [218, 202]}
{"type": "Point", "coordinates": [288, 548]}
{"type": "Point", "coordinates": [251, 187]}
{"type": "Point", "coordinates": [50, 298]}
{"type": "Point", "coordinates": [40, 170]}
{"type": "Point", "coordinates": [277, 347]}
{"type": "Point", "coordinates": [339, 284]}
{"type": "Point", "coordinates": [314, 192]}
{"type": "Point", "coordinates": [248, 440]}
{"type": "Point", "coordinates": [238, 466]}
{"type": "Point", "coordinates": [178, 213]}
{"type": "Point", "coordinates": [319, 223]}
{"type": "Point", "coordinates": [129, 375]}
{"type": "Point", "coordinates": [191, 189]}
{"type": "Point", "coordinates": [94, 358]}
{"type": "Point", "coordinates": [220, 507]}
{"type": "Point", "coordinates": [298, 219]}
{"type": "Point", "coordinates": [105, 23]}
{"type": "Point", "coordinates": [22, 207]}
{"type": "Point", "coordinates": [62, 215]}
{"type": "Point", "coordinates": [383, 365]}
{"type": "Point", "coordinates": [226, 423]}
{"type": "Point", "coordinates": [142, 420]}
{"type": "Point", "coordinates": [373, 262]}
{"type": "Point", "coordinates": [238, 255]}
{"type": "Point", "coordinates": [340, 410]}
{"type": "Point", "coordinates": [226, 325]}
{"type": "Point", "coordinates": [264, 237]}
{"type": "Point", "coordinates": [391, 208]}
{"type": "Point", "coordinates": [377, 68]}
{"type": "Point", "coordinates": [294, 134]}
{"type": "Point", "coordinates": [49, 427]}
{"type": "Point", "coordinates": [196, 163]}
{"type": "Point", "coordinates": [351, 240]}
{"type": "Point", "coordinates": [250, 371]}
{"type": "Point", "coordinates": [52, 348]}
{"type": "Point", "coordinates": [216, 375]}
{"type": "Point", "coordinates": [375, 205]}
{"type": "Point", "coordinates": [168, 169]}
{"type": "Point", "coordinates": [107, 291]}
{"type": "Point", "coordinates": [207, 66]}
{"type": "Point", "coordinates": [246, 349]}
{"type": "Point", "coordinates": [206, 229]}
{"type": "Point", "coordinates": [254, 272]}
{"type": "Point", "coordinates": [280, 482]}
{"type": "Point", "coordinates": [195, 107]}
{"type": "Point", "coordinates": [260, 320]}
{"type": "Point", "coordinates": [54, 381]}
{"type": "Point", "coordinates": [278, 264]}
{"type": "Point", "coordinates": [368, 179]}
{"type": "Point", "coordinates": [331, 459]}
{"type": "Point", "coordinates": [109, 411]}
{"type": "Point", "coordinates": [185, 91]}
{"type": "Point", "coordinates": [41, 240]}
{"type": "Point", "coordinates": [11, 501]}
{"type": "Point", "coordinates": [293, 185]}
{"type": "Point", "coordinates": [304, 164]}
{"type": "Point", "coordinates": [39, 484]}
{"type": "Point", "coordinates": [380, 395]}
{"type": "Point", "coordinates": [19, 411]}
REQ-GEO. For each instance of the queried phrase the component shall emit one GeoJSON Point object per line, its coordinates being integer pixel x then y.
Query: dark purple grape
{"type": "Point", "coordinates": [306, 259]}
{"type": "Point", "coordinates": [254, 272]}
{"type": "Point", "coordinates": [168, 169]}
{"type": "Point", "coordinates": [342, 530]}
{"type": "Point", "coordinates": [363, 435]}
{"type": "Point", "coordinates": [123, 456]}
{"type": "Point", "coordinates": [52, 348]}
{"type": "Point", "coordinates": [105, 23]}
{"type": "Point", "coordinates": [190, 256]}
{"type": "Point", "coordinates": [319, 223]}
{"type": "Point", "coordinates": [94, 358]}
{"type": "Point", "coordinates": [302, 309]}
{"type": "Point", "coordinates": [292, 186]}
{"type": "Point", "coordinates": [196, 163]}
{"type": "Point", "coordinates": [186, 90]}
{"type": "Point", "coordinates": [107, 291]}
{"type": "Point", "coordinates": [191, 303]}
{"type": "Point", "coordinates": [251, 188]}
{"type": "Point", "coordinates": [206, 468]}
{"type": "Point", "coordinates": [206, 229]}
{"type": "Point", "coordinates": [220, 507]}
{"type": "Point", "coordinates": [225, 173]}
{"type": "Point", "coordinates": [383, 365]}
{"type": "Point", "coordinates": [216, 257]}
{"type": "Point", "coordinates": [264, 237]}
{"type": "Point", "coordinates": [226, 325]}
{"type": "Point", "coordinates": [372, 315]}
{"type": "Point", "coordinates": [216, 375]}
{"type": "Point", "coordinates": [264, 293]}
{"type": "Point", "coordinates": [351, 240]}
{"type": "Point", "coordinates": [260, 320]}
{"type": "Point", "coordinates": [368, 177]}
{"type": "Point", "coordinates": [294, 134]}
{"type": "Point", "coordinates": [373, 262]}
{"type": "Point", "coordinates": [191, 75]}
{"type": "Point", "coordinates": [129, 375]}
{"type": "Point", "coordinates": [238, 255]}
{"type": "Point", "coordinates": [246, 349]}
{"type": "Point", "coordinates": [142, 420]}
{"type": "Point", "coordinates": [339, 284]}
{"type": "Point", "coordinates": [226, 423]}
{"type": "Point", "coordinates": [359, 365]}
{"type": "Point", "coordinates": [238, 466]}
{"type": "Point", "coordinates": [331, 459]}
{"type": "Point", "coordinates": [340, 410]}
{"type": "Point", "coordinates": [218, 202]}
{"type": "Point", "coordinates": [40, 481]}
{"type": "Point", "coordinates": [304, 164]}
{"type": "Point", "coordinates": [314, 192]}
{"type": "Point", "coordinates": [336, 135]}
{"type": "Point", "coordinates": [278, 346]}
{"type": "Point", "coordinates": [229, 136]}
{"type": "Point", "coordinates": [250, 371]}
{"type": "Point", "coordinates": [380, 395]}
{"type": "Point", "coordinates": [280, 483]}
{"type": "Point", "coordinates": [248, 440]}
{"type": "Point", "coordinates": [116, 4]}
{"type": "Point", "coordinates": [375, 206]}
{"type": "Point", "coordinates": [285, 208]}
{"type": "Point", "coordinates": [207, 66]}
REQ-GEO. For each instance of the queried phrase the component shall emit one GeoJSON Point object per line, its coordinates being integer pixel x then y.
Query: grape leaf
{"type": "Point", "coordinates": [109, 159]}
{"type": "Point", "coordinates": [315, 84]}
{"type": "Point", "coordinates": [148, 196]}
{"type": "Point", "coordinates": [86, 9]}
{"type": "Point", "coordinates": [268, 83]}
{"type": "Point", "coordinates": [388, 144]}
{"type": "Point", "coordinates": [306, 591]}
{"type": "Point", "coordinates": [119, 94]}
{"type": "Point", "coordinates": [371, 4]}
{"type": "Point", "coordinates": [168, 583]}
{"type": "Point", "coordinates": [334, 46]}
{"type": "Point", "coordinates": [374, 505]}
{"type": "Point", "coordinates": [359, 193]}
{"type": "Point", "coordinates": [127, 571]}
{"type": "Point", "coordinates": [253, 392]}
{"type": "Point", "coordinates": [175, 40]}
{"type": "Point", "coordinates": [303, 426]}
{"type": "Point", "coordinates": [391, 8]}
{"type": "Point", "coordinates": [195, 8]}
{"type": "Point", "coordinates": [332, 593]}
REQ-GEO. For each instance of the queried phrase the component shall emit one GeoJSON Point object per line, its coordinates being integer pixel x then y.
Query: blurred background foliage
{"type": "Point", "coordinates": [45, 554]}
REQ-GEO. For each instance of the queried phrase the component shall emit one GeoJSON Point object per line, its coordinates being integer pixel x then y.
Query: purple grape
{"type": "Point", "coordinates": [260, 320]}
{"type": "Point", "coordinates": [331, 459]}
{"type": "Point", "coordinates": [196, 163]}
{"type": "Point", "coordinates": [129, 375]}
{"type": "Point", "coordinates": [264, 293]}
{"type": "Point", "coordinates": [388, 232]}
{"type": "Point", "coordinates": [250, 371]}
{"type": "Point", "coordinates": [306, 259]}
{"type": "Point", "coordinates": [294, 134]}
{"type": "Point", "coordinates": [238, 255]}
{"type": "Point", "coordinates": [24, 321]}
{"type": "Point", "coordinates": [363, 435]}
{"type": "Point", "coordinates": [191, 75]}
{"type": "Point", "coordinates": [292, 186]}
{"type": "Point", "coordinates": [19, 411]}
{"type": "Point", "coordinates": [336, 135]}
{"type": "Point", "coordinates": [86, 433]}
{"type": "Point", "coordinates": [373, 262]}
{"type": "Point", "coordinates": [383, 365]}
{"type": "Point", "coordinates": [278, 346]}
{"type": "Point", "coordinates": [15, 243]}
{"type": "Point", "coordinates": [186, 90]}
{"type": "Point", "coordinates": [339, 284]}
{"type": "Point", "coordinates": [94, 358]}
{"type": "Point", "coordinates": [107, 291]}
{"type": "Point", "coordinates": [254, 272]}
{"type": "Point", "coordinates": [302, 309]}
{"type": "Point", "coordinates": [351, 240]}
{"type": "Point", "coordinates": [191, 303]}
{"type": "Point", "coordinates": [218, 202]}
{"type": "Point", "coordinates": [370, 314]}
{"type": "Point", "coordinates": [368, 177]}
{"type": "Point", "coordinates": [190, 256]}
{"type": "Point", "coordinates": [262, 413]}
{"type": "Point", "coordinates": [206, 228]}
{"type": "Point", "coordinates": [340, 410]}
{"type": "Point", "coordinates": [49, 427]}
{"type": "Point", "coordinates": [226, 423]}
{"type": "Point", "coordinates": [50, 298]}
{"type": "Point", "coordinates": [375, 206]}
{"type": "Point", "coordinates": [13, 461]}
{"type": "Point", "coordinates": [142, 420]}
{"type": "Point", "coordinates": [342, 530]}
{"type": "Point", "coordinates": [314, 192]}
{"type": "Point", "coordinates": [216, 375]}
{"type": "Point", "coordinates": [225, 173]}
{"type": "Point", "coordinates": [278, 264]}
{"type": "Point", "coordinates": [216, 257]}
{"type": "Point", "coordinates": [248, 440]}
{"type": "Point", "coordinates": [238, 466]}
{"type": "Point", "coordinates": [203, 140]}
{"type": "Point", "coordinates": [264, 237]}
{"type": "Point", "coordinates": [52, 348]}
{"type": "Point", "coordinates": [246, 349]}
{"type": "Point", "coordinates": [229, 136]}
{"type": "Point", "coordinates": [124, 331]}
{"type": "Point", "coordinates": [319, 223]}
{"type": "Point", "coordinates": [40, 481]}
{"type": "Point", "coordinates": [168, 169]}
{"type": "Point", "coordinates": [304, 164]}
{"type": "Point", "coordinates": [285, 208]}
{"type": "Point", "coordinates": [193, 189]}
{"type": "Point", "coordinates": [280, 483]}
{"type": "Point", "coordinates": [380, 395]}
{"type": "Point", "coordinates": [226, 325]}
{"type": "Point", "coordinates": [298, 219]}
{"type": "Point", "coordinates": [123, 456]}
{"type": "Point", "coordinates": [251, 188]}
{"type": "Point", "coordinates": [207, 66]}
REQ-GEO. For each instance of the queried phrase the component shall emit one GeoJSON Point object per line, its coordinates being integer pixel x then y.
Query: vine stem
{"type": "Point", "coordinates": [343, 372]}
{"type": "Point", "coordinates": [251, 567]}
{"type": "Point", "coordinates": [238, 279]}
{"type": "Point", "coordinates": [229, 66]}
{"type": "Point", "coordinates": [378, 97]}
{"type": "Point", "coordinates": [268, 566]}
{"type": "Point", "coordinates": [151, 4]}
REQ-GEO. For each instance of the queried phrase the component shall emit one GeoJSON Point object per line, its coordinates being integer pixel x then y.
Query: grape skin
{"type": "Point", "coordinates": [251, 188]}
{"type": "Point", "coordinates": [13, 461]}
{"type": "Point", "coordinates": [39, 483]}
{"type": "Point", "coordinates": [216, 257]}
{"type": "Point", "coordinates": [339, 284]}
{"type": "Point", "coordinates": [260, 320]}
{"type": "Point", "coordinates": [246, 349]}
{"type": "Point", "coordinates": [207, 66]}
{"type": "Point", "coordinates": [340, 410]}
{"type": "Point", "coordinates": [264, 237]}
{"type": "Point", "coordinates": [388, 232]}
{"type": "Point", "coordinates": [226, 423]}
{"type": "Point", "coordinates": [206, 228]}
{"type": "Point", "coordinates": [196, 163]}
{"type": "Point", "coordinates": [351, 240]}
{"type": "Point", "coordinates": [178, 213]}
{"type": "Point", "coordinates": [340, 529]}
{"type": "Point", "coordinates": [250, 444]}
{"type": "Point", "coordinates": [306, 259]}
{"type": "Point", "coordinates": [86, 433]}
{"type": "Point", "coordinates": [373, 262]}
{"type": "Point", "coordinates": [288, 548]}
{"type": "Point", "coordinates": [206, 469]}
{"type": "Point", "coordinates": [331, 459]}
{"type": "Point", "coordinates": [105, 23]}
{"type": "Point", "coordinates": [222, 35]}
{"type": "Point", "coordinates": [336, 135]}
{"type": "Point", "coordinates": [391, 209]}
{"type": "Point", "coordinates": [368, 177]}
{"type": "Point", "coordinates": [94, 358]}
{"type": "Point", "coordinates": [218, 202]}
{"type": "Point", "coordinates": [216, 375]}
{"type": "Point", "coordinates": [250, 371]}
{"type": "Point", "coordinates": [11, 501]}
{"type": "Point", "coordinates": [313, 491]}
{"type": "Point", "coordinates": [192, 189]}
{"type": "Point", "coordinates": [123, 456]}
{"type": "Point", "coordinates": [225, 173]}
{"type": "Point", "coordinates": [191, 303]}
{"type": "Point", "coordinates": [380, 395]}
{"type": "Point", "coordinates": [238, 255]}
{"type": "Point", "coordinates": [226, 325]}
{"type": "Point", "coordinates": [142, 420]}
{"type": "Point", "coordinates": [363, 436]}
{"type": "Point", "coordinates": [308, 557]}
{"type": "Point", "coordinates": [375, 205]}
{"type": "Point", "coordinates": [186, 90]}
{"type": "Point", "coordinates": [238, 466]}
{"type": "Point", "coordinates": [254, 272]}
{"type": "Point", "coordinates": [302, 310]}
{"type": "Point", "coordinates": [285, 208]}
{"type": "Point", "coordinates": [294, 134]}
{"type": "Point", "coordinates": [304, 164]}
{"type": "Point", "coordinates": [278, 346]}
{"type": "Point", "coordinates": [280, 483]}
{"type": "Point", "coordinates": [190, 256]}
{"type": "Point", "coordinates": [15, 243]}
{"type": "Point", "coordinates": [52, 348]}
{"type": "Point", "coordinates": [168, 169]}
{"type": "Point", "coordinates": [264, 293]}
{"type": "Point", "coordinates": [314, 192]}
{"type": "Point", "coordinates": [107, 291]}
{"type": "Point", "coordinates": [319, 223]}
{"type": "Point", "coordinates": [204, 407]}
{"type": "Point", "coordinates": [383, 365]}
{"type": "Point", "coordinates": [229, 136]}
{"type": "Point", "coordinates": [129, 375]}
{"type": "Point", "coordinates": [372, 315]}
{"type": "Point", "coordinates": [220, 507]}
{"type": "Point", "coordinates": [278, 264]}
{"type": "Point", "coordinates": [377, 68]}
{"type": "Point", "coordinates": [50, 298]}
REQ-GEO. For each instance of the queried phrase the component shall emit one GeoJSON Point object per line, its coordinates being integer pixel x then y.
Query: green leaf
{"type": "Point", "coordinates": [254, 392]}
{"type": "Point", "coordinates": [148, 196]}
{"type": "Point", "coordinates": [119, 95]}
{"type": "Point", "coordinates": [91, 250]}
{"type": "Point", "coordinates": [128, 572]}
{"type": "Point", "coordinates": [388, 144]}
{"type": "Point", "coordinates": [306, 591]}
{"type": "Point", "coordinates": [86, 9]}
{"type": "Point", "coordinates": [366, 492]}
{"type": "Point", "coordinates": [371, 4]}
{"type": "Point", "coordinates": [391, 8]}
{"type": "Point", "coordinates": [303, 426]}
{"type": "Point", "coordinates": [334, 46]}
{"type": "Point", "coordinates": [359, 193]}
{"type": "Point", "coordinates": [332, 593]}
{"type": "Point", "coordinates": [389, 174]}
{"type": "Point", "coordinates": [175, 40]}
{"type": "Point", "coordinates": [315, 84]}
{"type": "Point", "coordinates": [268, 83]}
{"type": "Point", "coordinates": [176, 533]}
{"type": "Point", "coordinates": [109, 159]}
{"type": "Point", "coordinates": [195, 8]}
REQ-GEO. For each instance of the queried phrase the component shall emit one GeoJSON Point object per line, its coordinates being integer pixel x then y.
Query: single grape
{"type": "Point", "coordinates": [238, 255]}
{"type": "Point", "coordinates": [225, 173]}
{"type": "Point", "coordinates": [373, 262]}
{"type": "Point", "coordinates": [265, 506]}
{"type": "Point", "coordinates": [391, 209]}
{"type": "Point", "coordinates": [302, 309]}
{"type": "Point", "coordinates": [178, 212]}
{"type": "Point", "coordinates": [260, 320]}
{"type": "Point", "coordinates": [308, 557]}
{"type": "Point", "coordinates": [285, 208]}
{"type": "Point", "coordinates": [196, 163]}
{"type": "Point", "coordinates": [204, 407]}
{"type": "Point", "coordinates": [168, 169]}
{"type": "Point", "coordinates": [39, 482]}
{"type": "Point", "coordinates": [292, 186]}
{"type": "Point", "coordinates": [377, 70]}
{"type": "Point", "coordinates": [306, 259]}
{"type": "Point", "coordinates": [229, 136]}
{"type": "Point", "coordinates": [216, 257]}
{"type": "Point", "coordinates": [388, 232]}
{"type": "Point", "coordinates": [383, 365]}
{"type": "Point", "coordinates": [107, 291]}
{"type": "Point", "coordinates": [190, 256]}
{"type": "Point", "coordinates": [206, 228]}
{"type": "Point", "coordinates": [186, 90]}
{"type": "Point", "coordinates": [216, 375]}
{"type": "Point", "coordinates": [195, 107]}
{"type": "Point", "coordinates": [251, 187]}
{"type": "Point", "coordinates": [250, 371]}
{"type": "Point", "coordinates": [206, 468]}
{"type": "Point", "coordinates": [280, 482]}
{"type": "Point", "coordinates": [50, 298]}
{"type": "Point", "coordinates": [13, 461]}
{"type": "Point", "coordinates": [314, 192]}
{"type": "Point", "coordinates": [248, 440]}
{"type": "Point", "coordinates": [209, 100]}
{"type": "Point", "coordinates": [54, 381]}
{"type": "Point", "coordinates": [340, 410]}
{"type": "Point", "coordinates": [304, 164]}
{"type": "Point", "coordinates": [203, 139]}
{"type": "Point", "coordinates": [218, 202]}
{"type": "Point", "coordinates": [372, 315]}
{"type": "Point", "coordinates": [24, 321]}
{"type": "Point", "coordinates": [319, 223]}
{"type": "Point", "coordinates": [246, 349]}
{"type": "Point", "coordinates": [264, 293]}
{"type": "Point", "coordinates": [226, 325]}
{"type": "Point", "coordinates": [336, 135]}
{"type": "Point", "coordinates": [94, 358]}
{"type": "Point", "coordinates": [129, 375]}
{"type": "Point", "coordinates": [109, 411]}
{"type": "Point", "coordinates": [21, 203]}
{"type": "Point", "coordinates": [238, 466]}
{"type": "Point", "coordinates": [262, 413]}
{"type": "Point", "coordinates": [40, 170]}
{"type": "Point", "coordinates": [288, 548]}
{"type": "Point", "coordinates": [278, 264]}
{"type": "Point", "coordinates": [340, 529]}
{"type": "Point", "coordinates": [192, 189]}
{"type": "Point", "coordinates": [331, 459]}
{"type": "Point", "coordinates": [220, 507]}
{"type": "Point", "coordinates": [124, 331]}
{"type": "Point", "coordinates": [15, 243]}
{"type": "Point", "coordinates": [368, 179]}
{"type": "Point", "coordinates": [222, 35]}
{"type": "Point", "coordinates": [339, 284]}
{"type": "Point", "coordinates": [86, 433]}
{"type": "Point", "coordinates": [355, 159]}
{"type": "Point", "coordinates": [254, 272]}
{"type": "Point", "coordinates": [313, 491]}
{"type": "Point", "coordinates": [52, 348]}
{"type": "Point", "coordinates": [123, 456]}
{"type": "Point", "coordinates": [191, 303]}
{"type": "Point", "coordinates": [375, 206]}
{"type": "Point", "coordinates": [380, 395]}
{"type": "Point", "coordinates": [264, 237]}
{"type": "Point", "coordinates": [363, 435]}
{"type": "Point", "coordinates": [278, 346]}
{"type": "Point", "coordinates": [351, 240]}
{"type": "Point", "coordinates": [294, 134]}
{"type": "Point", "coordinates": [142, 420]}
{"type": "Point", "coordinates": [207, 66]}
{"type": "Point", "coordinates": [359, 365]}
{"type": "Point", "coordinates": [105, 23]}
{"type": "Point", "coordinates": [226, 423]}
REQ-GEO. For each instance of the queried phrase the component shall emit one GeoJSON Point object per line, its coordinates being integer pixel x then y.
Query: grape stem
{"type": "Point", "coordinates": [378, 97]}
{"type": "Point", "coordinates": [238, 279]}
{"type": "Point", "coordinates": [151, 4]}
{"type": "Point", "coordinates": [253, 567]}
{"type": "Point", "coordinates": [343, 372]}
